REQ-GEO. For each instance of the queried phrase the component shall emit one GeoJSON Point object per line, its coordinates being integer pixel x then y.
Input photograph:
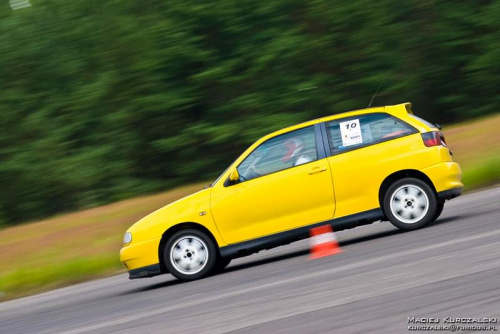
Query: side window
{"type": "Point", "coordinates": [278, 153]}
{"type": "Point", "coordinates": [355, 132]}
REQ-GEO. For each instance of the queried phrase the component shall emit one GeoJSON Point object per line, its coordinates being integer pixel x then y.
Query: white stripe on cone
{"type": "Point", "coordinates": [323, 238]}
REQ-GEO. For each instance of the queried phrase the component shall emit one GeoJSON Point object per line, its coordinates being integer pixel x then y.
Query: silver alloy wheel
{"type": "Point", "coordinates": [189, 255]}
{"type": "Point", "coordinates": [409, 203]}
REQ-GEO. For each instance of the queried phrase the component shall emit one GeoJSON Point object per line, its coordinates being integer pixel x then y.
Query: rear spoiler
{"type": "Point", "coordinates": [401, 109]}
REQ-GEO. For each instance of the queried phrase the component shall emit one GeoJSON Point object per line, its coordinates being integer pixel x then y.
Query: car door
{"type": "Point", "coordinates": [284, 183]}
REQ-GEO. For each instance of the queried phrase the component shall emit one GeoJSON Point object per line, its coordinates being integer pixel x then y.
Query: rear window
{"type": "Point", "coordinates": [363, 130]}
{"type": "Point", "coordinates": [429, 124]}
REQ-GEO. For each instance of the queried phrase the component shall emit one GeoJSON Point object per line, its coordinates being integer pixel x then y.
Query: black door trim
{"type": "Point", "coordinates": [320, 147]}
{"type": "Point", "coordinates": [326, 143]}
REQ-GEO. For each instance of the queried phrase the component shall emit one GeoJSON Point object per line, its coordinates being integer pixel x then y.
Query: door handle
{"type": "Point", "coordinates": [317, 170]}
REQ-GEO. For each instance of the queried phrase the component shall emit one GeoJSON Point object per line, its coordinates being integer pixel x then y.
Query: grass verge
{"type": "Point", "coordinates": [30, 280]}
{"type": "Point", "coordinates": [71, 248]}
{"type": "Point", "coordinates": [476, 147]}
{"type": "Point", "coordinates": [482, 174]}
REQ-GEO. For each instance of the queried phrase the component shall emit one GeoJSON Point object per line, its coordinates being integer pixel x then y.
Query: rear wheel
{"type": "Point", "coordinates": [439, 210]}
{"type": "Point", "coordinates": [190, 254]}
{"type": "Point", "coordinates": [410, 204]}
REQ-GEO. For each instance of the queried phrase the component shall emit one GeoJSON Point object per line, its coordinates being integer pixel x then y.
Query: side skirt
{"type": "Point", "coordinates": [283, 238]}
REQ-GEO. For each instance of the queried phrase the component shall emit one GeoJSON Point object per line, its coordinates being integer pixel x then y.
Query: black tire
{"type": "Point", "coordinates": [439, 210]}
{"type": "Point", "coordinates": [410, 204]}
{"type": "Point", "coordinates": [190, 254]}
{"type": "Point", "coordinates": [222, 263]}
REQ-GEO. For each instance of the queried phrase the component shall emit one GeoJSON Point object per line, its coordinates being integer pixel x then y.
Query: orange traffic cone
{"type": "Point", "coordinates": [323, 242]}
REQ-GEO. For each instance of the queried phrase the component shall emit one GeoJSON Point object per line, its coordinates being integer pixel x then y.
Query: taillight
{"type": "Point", "coordinates": [433, 138]}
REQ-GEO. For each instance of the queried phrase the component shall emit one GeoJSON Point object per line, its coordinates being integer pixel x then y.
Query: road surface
{"type": "Point", "coordinates": [384, 277]}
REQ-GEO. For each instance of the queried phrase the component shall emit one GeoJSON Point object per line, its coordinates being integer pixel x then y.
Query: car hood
{"type": "Point", "coordinates": [181, 210]}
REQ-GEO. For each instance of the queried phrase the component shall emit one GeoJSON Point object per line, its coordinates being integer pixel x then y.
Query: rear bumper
{"type": "Point", "coordinates": [449, 194]}
{"type": "Point", "coordinates": [446, 177]}
{"type": "Point", "coordinates": [148, 271]}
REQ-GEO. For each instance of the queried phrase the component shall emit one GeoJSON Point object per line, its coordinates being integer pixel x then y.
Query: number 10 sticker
{"type": "Point", "coordinates": [351, 132]}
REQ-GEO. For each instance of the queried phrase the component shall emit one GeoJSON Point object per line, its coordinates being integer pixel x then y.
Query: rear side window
{"type": "Point", "coordinates": [359, 131]}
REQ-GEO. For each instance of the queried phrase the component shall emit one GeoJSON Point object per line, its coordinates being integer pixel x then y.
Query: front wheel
{"type": "Point", "coordinates": [222, 264]}
{"type": "Point", "coordinates": [190, 254]}
{"type": "Point", "coordinates": [439, 210]}
{"type": "Point", "coordinates": [410, 204]}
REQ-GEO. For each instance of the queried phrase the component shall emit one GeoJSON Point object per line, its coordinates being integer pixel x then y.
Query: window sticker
{"type": "Point", "coordinates": [350, 132]}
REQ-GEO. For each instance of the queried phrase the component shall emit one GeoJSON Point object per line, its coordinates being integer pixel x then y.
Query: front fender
{"type": "Point", "coordinates": [193, 209]}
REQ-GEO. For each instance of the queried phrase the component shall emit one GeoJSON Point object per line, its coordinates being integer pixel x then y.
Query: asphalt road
{"type": "Point", "coordinates": [448, 269]}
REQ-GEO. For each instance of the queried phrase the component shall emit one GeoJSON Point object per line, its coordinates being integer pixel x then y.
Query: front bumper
{"type": "Point", "coordinates": [141, 257]}
{"type": "Point", "coordinates": [148, 271]}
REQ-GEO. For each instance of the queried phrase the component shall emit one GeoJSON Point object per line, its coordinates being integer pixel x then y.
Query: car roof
{"type": "Point", "coordinates": [392, 109]}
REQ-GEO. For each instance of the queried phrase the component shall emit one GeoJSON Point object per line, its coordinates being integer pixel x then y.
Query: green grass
{"type": "Point", "coordinates": [28, 280]}
{"type": "Point", "coordinates": [482, 174]}
{"type": "Point", "coordinates": [476, 147]}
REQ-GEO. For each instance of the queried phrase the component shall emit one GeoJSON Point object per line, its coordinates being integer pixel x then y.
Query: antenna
{"type": "Point", "coordinates": [370, 104]}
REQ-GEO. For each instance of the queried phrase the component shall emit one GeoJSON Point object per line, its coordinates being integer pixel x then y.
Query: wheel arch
{"type": "Point", "coordinates": [401, 175]}
{"type": "Point", "coordinates": [176, 228]}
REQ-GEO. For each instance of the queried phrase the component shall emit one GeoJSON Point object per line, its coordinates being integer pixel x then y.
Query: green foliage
{"type": "Point", "coordinates": [102, 100]}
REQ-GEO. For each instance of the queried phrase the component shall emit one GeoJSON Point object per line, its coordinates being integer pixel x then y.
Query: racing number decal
{"type": "Point", "coordinates": [351, 132]}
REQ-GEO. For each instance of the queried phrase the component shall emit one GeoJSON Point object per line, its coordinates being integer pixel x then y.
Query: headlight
{"type": "Point", "coordinates": [127, 238]}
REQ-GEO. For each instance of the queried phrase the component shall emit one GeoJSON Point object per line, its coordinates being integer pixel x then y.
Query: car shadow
{"type": "Point", "coordinates": [266, 261]}
{"type": "Point", "coordinates": [156, 286]}
{"type": "Point", "coordinates": [372, 236]}
{"type": "Point", "coordinates": [450, 219]}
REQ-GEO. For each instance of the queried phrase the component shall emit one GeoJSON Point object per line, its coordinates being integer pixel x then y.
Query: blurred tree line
{"type": "Point", "coordinates": [104, 100]}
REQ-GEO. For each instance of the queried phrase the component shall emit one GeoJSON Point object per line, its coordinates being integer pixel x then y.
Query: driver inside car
{"type": "Point", "coordinates": [289, 153]}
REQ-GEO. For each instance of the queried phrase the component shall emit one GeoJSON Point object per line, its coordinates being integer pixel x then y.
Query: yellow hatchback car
{"type": "Point", "coordinates": [344, 170]}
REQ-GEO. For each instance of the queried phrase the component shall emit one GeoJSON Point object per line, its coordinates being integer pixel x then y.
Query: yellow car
{"type": "Point", "coordinates": [344, 170]}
